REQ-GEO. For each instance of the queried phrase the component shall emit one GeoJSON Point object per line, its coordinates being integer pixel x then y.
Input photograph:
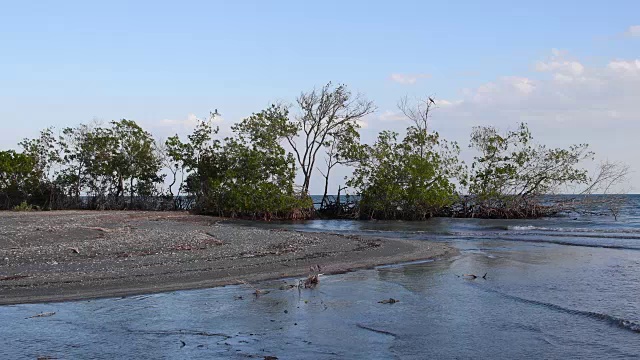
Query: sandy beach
{"type": "Point", "coordinates": [72, 255]}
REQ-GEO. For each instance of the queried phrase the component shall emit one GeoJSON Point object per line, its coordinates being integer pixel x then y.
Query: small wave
{"type": "Point", "coordinates": [509, 236]}
{"type": "Point", "coordinates": [610, 319]}
{"type": "Point", "coordinates": [575, 230]}
{"type": "Point", "coordinates": [579, 235]}
{"type": "Point", "coordinates": [378, 331]}
{"type": "Point", "coordinates": [523, 228]}
{"type": "Point", "coordinates": [569, 243]}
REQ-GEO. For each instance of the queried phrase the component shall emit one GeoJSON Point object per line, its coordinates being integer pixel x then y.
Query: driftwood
{"type": "Point", "coordinates": [256, 292]}
{"type": "Point", "coordinates": [388, 301]}
{"type": "Point", "coordinates": [474, 276]}
{"type": "Point", "coordinates": [313, 279]}
{"type": "Point", "coordinates": [45, 314]}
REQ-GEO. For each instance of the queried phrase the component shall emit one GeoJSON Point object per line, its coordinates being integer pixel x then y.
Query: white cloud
{"type": "Point", "coordinates": [633, 30]}
{"type": "Point", "coordinates": [408, 79]}
{"type": "Point", "coordinates": [189, 122]}
{"type": "Point", "coordinates": [444, 103]}
{"type": "Point", "coordinates": [576, 103]}
{"type": "Point", "coordinates": [391, 116]}
{"type": "Point", "coordinates": [505, 89]}
{"type": "Point", "coordinates": [623, 67]}
{"type": "Point", "coordinates": [574, 92]}
{"type": "Point", "coordinates": [563, 69]}
{"type": "Point", "coordinates": [566, 67]}
{"type": "Point", "coordinates": [363, 124]}
{"type": "Point", "coordinates": [182, 127]}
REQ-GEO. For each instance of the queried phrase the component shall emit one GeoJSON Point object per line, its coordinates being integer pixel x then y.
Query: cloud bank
{"type": "Point", "coordinates": [408, 79]}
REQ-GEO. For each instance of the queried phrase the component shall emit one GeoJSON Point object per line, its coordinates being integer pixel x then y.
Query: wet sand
{"type": "Point", "coordinates": [72, 255]}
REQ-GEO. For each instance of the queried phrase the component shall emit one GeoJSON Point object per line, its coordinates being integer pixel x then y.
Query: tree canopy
{"type": "Point", "coordinates": [252, 172]}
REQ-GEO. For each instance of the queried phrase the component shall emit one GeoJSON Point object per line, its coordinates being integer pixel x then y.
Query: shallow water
{"type": "Point", "coordinates": [555, 288]}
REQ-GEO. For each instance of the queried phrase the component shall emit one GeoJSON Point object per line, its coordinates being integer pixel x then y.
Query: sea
{"type": "Point", "coordinates": [565, 287]}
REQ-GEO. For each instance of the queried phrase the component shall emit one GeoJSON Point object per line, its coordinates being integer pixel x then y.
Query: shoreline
{"type": "Point", "coordinates": [80, 255]}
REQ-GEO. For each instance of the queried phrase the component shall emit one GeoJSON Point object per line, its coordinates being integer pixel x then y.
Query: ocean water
{"type": "Point", "coordinates": [557, 288]}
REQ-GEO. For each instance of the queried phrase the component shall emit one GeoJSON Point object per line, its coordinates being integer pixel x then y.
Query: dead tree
{"type": "Point", "coordinates": [418, 110]}
{"type": "Point", "coordinates": [607, 189]}
{"type": "Point", "coordinates": [323, 112]}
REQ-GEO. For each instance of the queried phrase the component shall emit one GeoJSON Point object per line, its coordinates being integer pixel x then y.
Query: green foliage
{"type": "Point", "coordinates": [251, 174]}
{"type": "Point", "coordinates": [23, 206]}
{"type": "Point", "coordinates": [108, 163]}
{"type": "Point", "coordinates": [103, 163]}
{"type": "Point", "coordinates": [18, 178]}
{"type": "Point", "coordinates": [43, 151]}
{"type": "Point", "coordinates": [512, 165]}
{"type": "Point", "coordinates": [408, 179]}
{"type": "Point", "coordinates": [247, 175]}
{"type": "Point", "coordinates": [511, 171]}
{"type": "Point", "coordinates": [194, 155]}
{"type": "Point", "coordinates": [134, 158]}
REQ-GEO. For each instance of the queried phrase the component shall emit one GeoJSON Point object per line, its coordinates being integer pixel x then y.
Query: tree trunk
{"type": "Point", "coordinates": [120, 187]}
{"type": "Point", "coordinates": [326, 189]}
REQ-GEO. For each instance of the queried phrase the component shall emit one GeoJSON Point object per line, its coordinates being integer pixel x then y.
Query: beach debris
{"type": "Point", "coordinates": [474, 276]}
{"type": "Point", "coordinates": [182, 344]}
{"type": "Point", "coordinates": [313, 279]}
{"type": "Point", "coordinates": [97, 228]}
{"type": "Point", "coordinates": [213, 240]}
{"type": "Point", "coordinates": [44, 314]}
{"type": "Point", "coordinates": [182, 247]}
{"type": "Point", "coordinates": [14, 277]}
{"type": "Point", "coordinates": [388, 301]}
{"type": "Point", "coordinates": [270, 357]}
{"type": "Point", "coordinates": [257, 292]}
{"type": "Point", "coordinates": [46, 357]}
{"type": "Point", "coordinates": [135, 253]}
{"type": "Point", "coordinates": [287, 286]}
{"type": "Point", "coordinates": [74, 250]}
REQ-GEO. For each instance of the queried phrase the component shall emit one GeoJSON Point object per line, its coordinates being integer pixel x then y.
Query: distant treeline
{"type": "Point", "coordinates": [252, 173]}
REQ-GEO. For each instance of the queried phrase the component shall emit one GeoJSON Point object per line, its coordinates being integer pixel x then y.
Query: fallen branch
{"type": "Point", "coordinates": [45, 314]}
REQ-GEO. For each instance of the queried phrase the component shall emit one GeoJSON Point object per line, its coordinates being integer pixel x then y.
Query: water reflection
{"type": "Point", "coordinates": [539, 300]}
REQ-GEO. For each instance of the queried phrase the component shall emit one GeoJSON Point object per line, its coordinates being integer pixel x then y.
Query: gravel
{"type": "Point", "coordinates": [72, 255]}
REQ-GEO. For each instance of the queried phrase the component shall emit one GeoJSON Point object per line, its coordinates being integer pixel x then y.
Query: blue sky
{"type": "Point", "coordinates": [567, 67]}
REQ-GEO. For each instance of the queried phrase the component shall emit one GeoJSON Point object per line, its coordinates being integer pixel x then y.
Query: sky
{"type": "Point", "coordinates": [570, 69]}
